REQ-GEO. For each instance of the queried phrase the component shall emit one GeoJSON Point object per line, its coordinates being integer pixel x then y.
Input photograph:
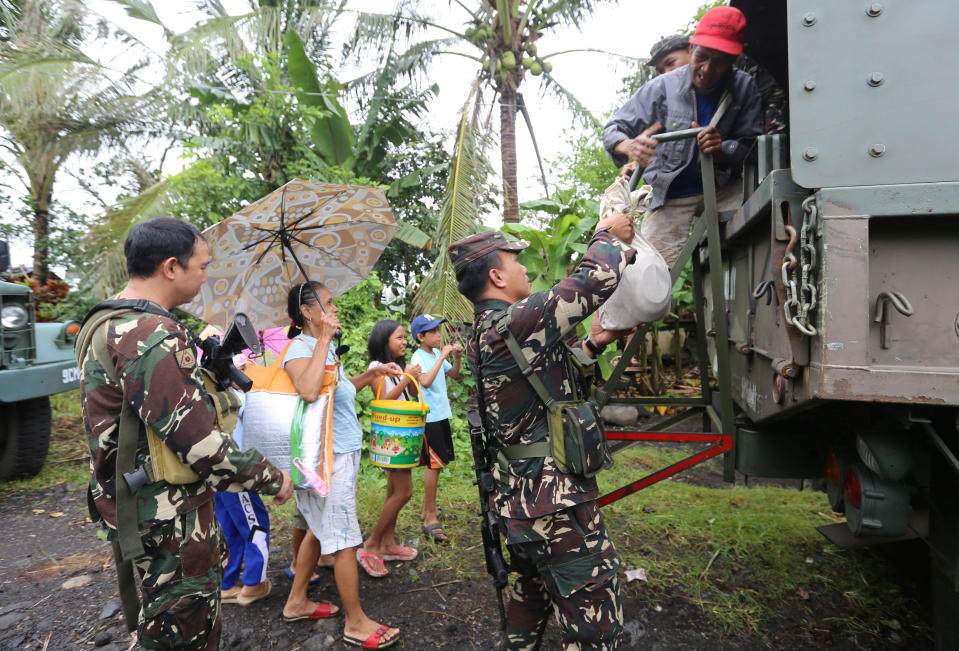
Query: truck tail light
{"type": "Point", "coordinates": [875, 506]}
{"type": "Point", "coordinates": [832, 469]}
{"type": "Point", "coordinates": [852, 490]}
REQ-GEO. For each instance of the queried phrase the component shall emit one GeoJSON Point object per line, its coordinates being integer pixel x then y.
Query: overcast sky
{"type": "Point", "coordinates": [628, 29]}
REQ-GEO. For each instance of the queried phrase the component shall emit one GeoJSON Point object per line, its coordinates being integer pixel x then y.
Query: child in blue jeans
{"type": "Point", "coordinates": [438, 441]}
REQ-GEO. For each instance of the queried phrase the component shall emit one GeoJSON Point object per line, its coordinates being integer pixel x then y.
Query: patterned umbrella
{"type": "Point", "coordinates": [304, 230]}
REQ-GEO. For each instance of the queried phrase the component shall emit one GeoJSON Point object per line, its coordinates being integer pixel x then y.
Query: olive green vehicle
{"type": "Point", "coordinates": [828, 303]}
{"type": "Point", "coordinates": [36, 361]}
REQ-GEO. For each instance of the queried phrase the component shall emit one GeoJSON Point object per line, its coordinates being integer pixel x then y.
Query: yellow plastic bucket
{"type": "Point", "coordinates": [397, 428]}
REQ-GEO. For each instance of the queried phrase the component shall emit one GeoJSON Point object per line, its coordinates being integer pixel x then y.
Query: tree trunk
{"type": "Point", "coordinates": [507, 134]}
{"type": "Point", "coordinates": [41, 238]}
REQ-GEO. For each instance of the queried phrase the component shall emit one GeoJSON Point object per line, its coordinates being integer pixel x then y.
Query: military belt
{"type": "Point", "coordinates": [521, 451]}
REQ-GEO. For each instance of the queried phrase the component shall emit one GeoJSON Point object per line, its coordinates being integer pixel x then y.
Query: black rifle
{"type": "Point", "coordinates": [496, 564]}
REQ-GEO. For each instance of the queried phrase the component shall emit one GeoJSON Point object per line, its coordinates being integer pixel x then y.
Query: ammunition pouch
{"type": "Point", "coordinates": [577, 438]}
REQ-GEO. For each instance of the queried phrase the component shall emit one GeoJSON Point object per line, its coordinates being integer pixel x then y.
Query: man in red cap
{"type": "Point", "coordinates": [710, 92]}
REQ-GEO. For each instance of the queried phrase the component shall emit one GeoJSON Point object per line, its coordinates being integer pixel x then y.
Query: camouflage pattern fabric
{"type": "Point", "coordinates": [554, 531]}
{"type": "Point", "coordinates": [514, 413]}
{"type": "Point", "coordinates": [181, 574]}
{"type": "Point", "coordinates": [567, 559]}
{"type": "Point", "coordinates": [774, 101]}
{"type": "Point", "coordinates": [158, 371]}
{"type": "Point", "coordinates": [156, 364]}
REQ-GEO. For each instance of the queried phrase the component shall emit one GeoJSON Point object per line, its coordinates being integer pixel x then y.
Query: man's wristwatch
{"type": "Point", "coordinates": [593, 348]}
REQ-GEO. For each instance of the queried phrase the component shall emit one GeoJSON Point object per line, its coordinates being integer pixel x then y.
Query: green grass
{"type": "Point", "coordinates": [740, 555]}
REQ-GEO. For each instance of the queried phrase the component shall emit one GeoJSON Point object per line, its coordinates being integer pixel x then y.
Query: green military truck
{"type": "Point", "coordinates": [36, 361]}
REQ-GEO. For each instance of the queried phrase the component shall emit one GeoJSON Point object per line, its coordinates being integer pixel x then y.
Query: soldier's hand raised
{"type": "Point", "coordinates": [286, 489]}
{"type": "Point", "coordinates": [619, 224]}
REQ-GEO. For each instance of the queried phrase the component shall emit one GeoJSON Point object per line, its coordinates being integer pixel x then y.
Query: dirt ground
{"type": "Point", "coordinates": [48, 542]}
{"type": "Point", "coordinates": [58, 591]}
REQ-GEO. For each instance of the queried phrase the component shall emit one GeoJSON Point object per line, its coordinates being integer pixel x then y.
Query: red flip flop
{"type": "Point", "coordinates": [371, 564]}
{"type": "Point", "coordinates": [323, 610]}
{"type": "Point", "coordinates": [374, 641]}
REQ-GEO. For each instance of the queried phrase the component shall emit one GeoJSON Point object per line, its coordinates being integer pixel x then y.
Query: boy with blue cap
{"type": "Point", "coordinates": [438, 441]}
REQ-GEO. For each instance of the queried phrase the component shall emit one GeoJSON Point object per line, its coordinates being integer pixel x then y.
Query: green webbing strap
{"type": "Point", "coordinates": [129, 598]}
{"type": "Point", "coordinates": [526, 451]}
{"type": "Point", "coordinates": [503, 328]}
{"type": "Point", "coordinates": [128, 435]}
{"type": "Point", "coordinates": [539, 449]}
{"type": "Point", "coordinates": [128, 546]}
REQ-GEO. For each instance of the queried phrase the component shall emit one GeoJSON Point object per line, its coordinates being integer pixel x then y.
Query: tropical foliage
{"type": "Point", "coordinates": [264, 108]}
{"type": "Point", "coordinates": [55, 103]}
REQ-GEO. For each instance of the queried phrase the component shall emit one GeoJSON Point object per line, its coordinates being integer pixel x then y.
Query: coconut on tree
{"type": "Point", "coordinates": [507, 39]}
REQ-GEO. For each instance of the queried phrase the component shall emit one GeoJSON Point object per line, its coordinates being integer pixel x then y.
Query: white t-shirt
{"type": "Point", "coordinates": [389, 383]}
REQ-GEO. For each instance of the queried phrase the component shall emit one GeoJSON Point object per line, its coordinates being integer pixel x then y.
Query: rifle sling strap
{"type": "Point", "coordinates": [128, 545]}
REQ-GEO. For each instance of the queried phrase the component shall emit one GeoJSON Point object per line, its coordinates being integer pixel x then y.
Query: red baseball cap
{"type": "Point", "coordinates": [723, 29]}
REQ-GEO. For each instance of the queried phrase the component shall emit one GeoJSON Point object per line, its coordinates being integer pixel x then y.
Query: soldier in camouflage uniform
{"type": "Point", "coordinates": [554, 531]}
{"type": "Point", "coordinates": [775, 102]}
{"type": "Point", "coordinates": [155, 361]}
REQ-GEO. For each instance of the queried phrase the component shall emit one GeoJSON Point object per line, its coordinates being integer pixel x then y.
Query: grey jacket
{"type": "Point", "coordinates": [670, 99]}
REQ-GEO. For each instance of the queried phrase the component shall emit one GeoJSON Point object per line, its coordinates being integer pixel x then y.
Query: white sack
{"type": "Point", "coordinates": [645, 290]}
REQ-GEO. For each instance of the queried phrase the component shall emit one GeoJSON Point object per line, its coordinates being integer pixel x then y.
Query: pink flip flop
{"type": "Point", "coordinates": [401, 554]}
{"type": "Point", "coordinates": [371, 564]}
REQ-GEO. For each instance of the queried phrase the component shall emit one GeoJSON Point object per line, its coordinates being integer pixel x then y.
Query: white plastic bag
{"type": "Point", "coordinates": [267, 418]}
{"type": "Point", "coordinates": [645, 290]}
{"type": "Point", "coordinates": [268, 421]}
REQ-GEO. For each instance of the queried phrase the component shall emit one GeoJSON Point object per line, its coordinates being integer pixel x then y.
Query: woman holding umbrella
{"type": "Point", "coordinates": [334, 527]}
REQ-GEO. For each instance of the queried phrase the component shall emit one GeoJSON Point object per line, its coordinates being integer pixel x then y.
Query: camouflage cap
{"type": "Point", "coordinates": [666, 45]}
{"type": "Point", "coordinates": [476, 246]}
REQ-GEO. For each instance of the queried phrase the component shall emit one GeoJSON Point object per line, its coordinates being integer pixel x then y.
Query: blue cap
{"type": "Point", "coordinates": [424, 323]}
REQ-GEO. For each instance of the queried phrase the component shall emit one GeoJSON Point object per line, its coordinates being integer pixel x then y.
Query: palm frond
{"type": "Point", "coordinates": [410, 234]}
{"type": "Point", "coordinates": [142, 10]}
{"type": "Point", "coordinates": [571, 12]}
{"type": "Point", "coordinates": [104, 240]}
{"type": "Point", "coordinates": [550, 85]}
{"type": "Point", "coordinates": [459, 217]}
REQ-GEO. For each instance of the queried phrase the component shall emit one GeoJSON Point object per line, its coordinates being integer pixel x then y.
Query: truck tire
{"type": "Point", "coordinates": [944, 553]}
{"type": "Point", "coordinates": [26, 439]}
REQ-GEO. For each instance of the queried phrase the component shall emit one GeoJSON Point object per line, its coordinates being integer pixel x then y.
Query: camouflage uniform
{"type": "Point", "coordinates": [181, 570]}
{"type": "Point", "coordinates": [774, 101]}
{"type": "Point", "coordinates": [556, 536]}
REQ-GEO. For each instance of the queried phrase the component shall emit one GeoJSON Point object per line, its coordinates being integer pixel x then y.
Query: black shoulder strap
{"type": "Point", "coordinates": [138, 305]}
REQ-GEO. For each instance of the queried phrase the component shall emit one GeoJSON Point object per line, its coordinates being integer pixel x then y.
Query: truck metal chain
{"type": "Point", "coordinates": [799, 276]}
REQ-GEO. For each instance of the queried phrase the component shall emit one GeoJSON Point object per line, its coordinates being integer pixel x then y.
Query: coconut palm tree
{"type": "Point", "coordinates": [55, 103]}
{"type": "Point", "coordinates": [503, 37]}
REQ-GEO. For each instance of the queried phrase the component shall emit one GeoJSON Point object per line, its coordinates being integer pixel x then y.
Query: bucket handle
{"type": "Point", "coordinates": [412, 379]}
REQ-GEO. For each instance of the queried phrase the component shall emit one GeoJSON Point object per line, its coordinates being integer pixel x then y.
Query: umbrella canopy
{"type": "Point", "coordinates": [302, 231]}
